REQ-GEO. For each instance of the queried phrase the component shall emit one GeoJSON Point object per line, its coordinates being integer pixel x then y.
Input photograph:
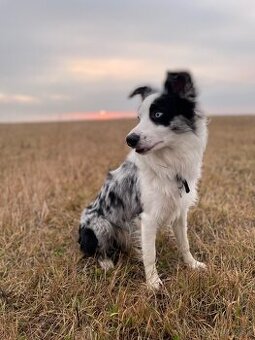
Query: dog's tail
{"type": "Point", "coordinates": [88, 241]}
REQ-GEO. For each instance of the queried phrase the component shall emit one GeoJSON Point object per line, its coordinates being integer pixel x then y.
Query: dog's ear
{"type": "Point", "coordinates": [180, 83]}
{"type": "Point", "coordinates": [143, 91]}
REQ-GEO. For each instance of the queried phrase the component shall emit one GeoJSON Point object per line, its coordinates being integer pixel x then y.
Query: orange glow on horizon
{"type": "Point", "coordinates": [98, 115]}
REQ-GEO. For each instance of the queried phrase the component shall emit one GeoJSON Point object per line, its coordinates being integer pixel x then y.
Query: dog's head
{"type": "Point", "coordinates": [163, 115]}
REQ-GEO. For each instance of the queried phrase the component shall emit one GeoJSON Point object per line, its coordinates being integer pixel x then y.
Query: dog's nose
{"type": "Point", "coordinates": [132, 140]}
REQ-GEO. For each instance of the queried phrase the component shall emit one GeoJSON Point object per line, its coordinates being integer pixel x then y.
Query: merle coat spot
{"type": "Point", "coordinates": [116, 206]}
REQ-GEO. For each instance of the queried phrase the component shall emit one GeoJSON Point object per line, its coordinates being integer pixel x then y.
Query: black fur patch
{"type": "Point", "coordinates": [143, 91]}
{"type": "Point", "coordinates": [181, 84]}
{"type": "Point", "coordinates": [88, 241]}
{"type": "Point", "coordinates": [172, 106]}
{"type": "Point", "coordinates": [115, 200]}
{"type": "Point", "coordinates": [176, 106]}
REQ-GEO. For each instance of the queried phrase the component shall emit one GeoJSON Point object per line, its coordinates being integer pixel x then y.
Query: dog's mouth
{"type": "Point", "coordinates": [143, 151]}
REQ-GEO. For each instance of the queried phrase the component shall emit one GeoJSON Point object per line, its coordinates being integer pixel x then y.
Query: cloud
{"type": "Point", "coordinates": [8, 98]}
{"type": "Point", "coordinates": [57, 97]}
{"type": "Point", "coordinates": [18, 99]}
{"type": "Point", "coordinates": [95, 69]}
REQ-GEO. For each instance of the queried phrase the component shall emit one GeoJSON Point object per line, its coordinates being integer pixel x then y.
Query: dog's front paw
{"type": "Point", "coordinates": [197, 265]}
{"type": "Point", "coordinates": [106, 264]}
{"type": "Point", "coordinates": [154, 283]}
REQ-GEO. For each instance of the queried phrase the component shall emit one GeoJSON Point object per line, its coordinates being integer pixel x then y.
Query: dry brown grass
{"type": "Point", "coordinates": [49, 172]}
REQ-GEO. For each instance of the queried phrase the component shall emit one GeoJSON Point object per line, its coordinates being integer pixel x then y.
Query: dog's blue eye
{"type": "Point", "coordinates": [158, 114]}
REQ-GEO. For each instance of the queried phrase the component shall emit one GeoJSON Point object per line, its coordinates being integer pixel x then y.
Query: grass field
{"type": "Point", "coordinates": [49, 172]}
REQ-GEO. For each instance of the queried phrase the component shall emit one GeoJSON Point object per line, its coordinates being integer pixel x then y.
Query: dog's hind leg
{"type": "Point", "coordinates": [180, 232]}
{"type": "Point", "coordinates": [149, 230]}
{"type": "Point", "coordinates": [106, 264]}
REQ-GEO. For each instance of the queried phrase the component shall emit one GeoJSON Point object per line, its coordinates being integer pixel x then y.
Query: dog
{"type": "Point", "coordinates": [157, 183]}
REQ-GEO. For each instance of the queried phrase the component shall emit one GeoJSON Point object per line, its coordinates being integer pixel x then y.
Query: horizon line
{"type": "Point", "coordinates": [101, 115]}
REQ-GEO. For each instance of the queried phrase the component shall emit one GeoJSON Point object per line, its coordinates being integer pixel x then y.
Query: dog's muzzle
{"type": "Point", "coordinates": [132, 140]}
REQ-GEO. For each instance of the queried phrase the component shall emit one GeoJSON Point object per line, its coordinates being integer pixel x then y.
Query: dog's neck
{"type": "Point", "coordinates": [183, 159]}
{"type": "Point", "coordinates": [168, 162]}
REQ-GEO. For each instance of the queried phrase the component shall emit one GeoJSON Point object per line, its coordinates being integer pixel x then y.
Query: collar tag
{"type": "Point", "coordinates": [186, 186]}
{"type": "Point", "coordinates": [182, 183]}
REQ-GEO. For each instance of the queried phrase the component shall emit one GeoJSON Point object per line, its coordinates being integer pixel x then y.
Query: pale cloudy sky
{"type": "Point", "coordinates": [60, 58]}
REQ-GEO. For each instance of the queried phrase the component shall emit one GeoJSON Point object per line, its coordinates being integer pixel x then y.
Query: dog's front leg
{"type": "Point", "coordinates": [149, 230]}
{"type": "Point", "coordinates": [180, 231]}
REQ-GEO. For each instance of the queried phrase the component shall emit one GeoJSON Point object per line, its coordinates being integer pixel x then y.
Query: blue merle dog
{"type": "Point", "coordinates": [157, 183]}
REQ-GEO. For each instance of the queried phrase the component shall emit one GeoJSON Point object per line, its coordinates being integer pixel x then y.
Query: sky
{"type": "Point", "coordinates": [62, 59]}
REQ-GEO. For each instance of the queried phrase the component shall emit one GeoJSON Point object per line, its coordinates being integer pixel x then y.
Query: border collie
{"type": "Point", "coordinates": [157, 183]}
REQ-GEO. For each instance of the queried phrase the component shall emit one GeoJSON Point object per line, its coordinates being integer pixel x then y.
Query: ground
{"type": "Point", "coordinates": [49, 172]}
